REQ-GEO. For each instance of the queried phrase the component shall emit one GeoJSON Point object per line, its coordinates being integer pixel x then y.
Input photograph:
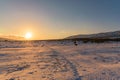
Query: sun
{"type": "Point", "coordinates": [28, 35]}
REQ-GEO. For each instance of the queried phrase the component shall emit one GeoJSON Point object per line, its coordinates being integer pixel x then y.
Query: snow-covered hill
{"type": "Point", "coordinates": [115, 34]}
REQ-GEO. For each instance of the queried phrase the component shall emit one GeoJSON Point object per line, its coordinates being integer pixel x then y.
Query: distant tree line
{"type": "Point", "coordinates": [75, 40]}
{"type": "Point", "coordinates": [96, 40]}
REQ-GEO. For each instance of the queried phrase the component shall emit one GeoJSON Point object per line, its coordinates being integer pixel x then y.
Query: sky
{"type": "Point", "coordinates": [56, 19]}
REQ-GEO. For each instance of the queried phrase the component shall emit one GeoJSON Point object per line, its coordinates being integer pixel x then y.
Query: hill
{"type": "Point", "coordinates": [105, 35]}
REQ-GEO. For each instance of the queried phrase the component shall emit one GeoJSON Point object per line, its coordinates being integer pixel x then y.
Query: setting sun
{"type": "Point", "coordinates": [28, 35]}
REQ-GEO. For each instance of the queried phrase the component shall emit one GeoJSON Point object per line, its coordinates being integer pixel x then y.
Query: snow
{"type": "Point", "coordinates": [57, 60]}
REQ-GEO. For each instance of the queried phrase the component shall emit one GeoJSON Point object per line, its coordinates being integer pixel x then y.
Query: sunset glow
{"type": "Point", "coordinates": [28, 35]}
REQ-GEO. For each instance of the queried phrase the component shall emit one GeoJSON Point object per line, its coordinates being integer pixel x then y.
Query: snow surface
{"type": "Point", "coordinates": [57, 60]}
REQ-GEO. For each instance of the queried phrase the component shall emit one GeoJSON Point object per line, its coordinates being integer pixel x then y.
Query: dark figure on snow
{"type": "Point", "coordinates": [75, 43]}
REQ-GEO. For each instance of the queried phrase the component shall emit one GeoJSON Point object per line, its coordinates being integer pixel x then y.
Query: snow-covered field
{"type": "Point", "coordinates": [59, 61]}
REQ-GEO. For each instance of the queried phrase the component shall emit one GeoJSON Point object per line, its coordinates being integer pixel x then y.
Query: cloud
{"type": "Point", "coordinates": [11, 36]}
